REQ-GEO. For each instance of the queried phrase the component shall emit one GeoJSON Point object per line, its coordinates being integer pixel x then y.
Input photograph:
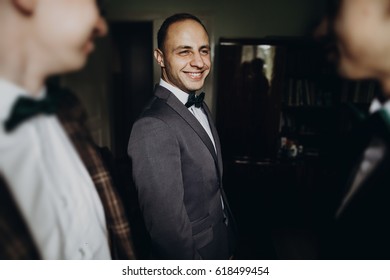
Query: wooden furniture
{"type": "Point", "coordinates": [283, 116]}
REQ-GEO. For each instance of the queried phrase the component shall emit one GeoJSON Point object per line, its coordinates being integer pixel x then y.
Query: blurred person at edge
{"type": "Point", "coordinates": [360, 38]}
{"type": "Point", "coordinates": [56, 197]}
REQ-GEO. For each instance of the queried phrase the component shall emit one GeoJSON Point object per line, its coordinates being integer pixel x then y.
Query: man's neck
{"type": "Point", "coordinates": [21, 74]}
{"type": "Point", "coordinates": [385, 82]}
{"type": "Point", "coordinates": [20, 64]}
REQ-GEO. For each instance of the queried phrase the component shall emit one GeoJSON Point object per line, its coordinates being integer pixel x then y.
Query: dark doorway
{"type": "Point", "coordinates": [132, 78]}
{"type": "Point", "coordinates": [132, 87]}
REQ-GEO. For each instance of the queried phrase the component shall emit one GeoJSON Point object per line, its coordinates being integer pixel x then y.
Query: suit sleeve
{"type": "Point", "coordinates": [155, 154]}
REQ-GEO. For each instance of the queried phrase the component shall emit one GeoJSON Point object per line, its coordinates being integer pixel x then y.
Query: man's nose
{"type": "Point", "coordinates": [101, 27]}
{"type": "Point", "coordinates": [197, 60]}
{"type": "Point", "coordinates": [322, 29]}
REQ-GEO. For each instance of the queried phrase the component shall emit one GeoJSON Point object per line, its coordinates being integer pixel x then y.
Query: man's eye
{"type": "Point", "coordinates": [205, 52]}
{"type": "Point", "coordinates": [184, 52]}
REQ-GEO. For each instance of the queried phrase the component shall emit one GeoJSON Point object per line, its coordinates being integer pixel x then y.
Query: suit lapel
{"type": "Point", "coordinates": [220, 168]}
{"type": "Point", "coordinates": [375, 128]}
{"type": "Point", "coordinates": [379, 126]}
{"type": "Point", "coordinates": [183, 111]}
{"type": "Point", "coordinates": [216, 137]}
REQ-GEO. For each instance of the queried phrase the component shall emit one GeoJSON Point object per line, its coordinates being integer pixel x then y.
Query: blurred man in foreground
{"type": "Point", "coordinates": [56, 197]}
{"type": "Point", "coordinates": [362, 32]}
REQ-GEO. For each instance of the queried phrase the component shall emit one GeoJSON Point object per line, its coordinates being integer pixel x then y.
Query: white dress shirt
{"type": "Point", "coordinates": [199, 114]}
{"type": "Point", "coordinates": [372, 156]}
{"type": "Point", "coordinates": [51, 185]}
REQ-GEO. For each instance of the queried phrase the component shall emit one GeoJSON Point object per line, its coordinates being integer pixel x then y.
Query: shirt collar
{"type": "Point", "coordinates": [376, 105]}
{"type": "Point", "coordinates": [9, 93]}
{"type": "Point", "coordinates": [181, 95]}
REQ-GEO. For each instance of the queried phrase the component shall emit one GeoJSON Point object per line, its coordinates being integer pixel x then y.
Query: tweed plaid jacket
{"type": "Point", "coordinates": [15, 240]}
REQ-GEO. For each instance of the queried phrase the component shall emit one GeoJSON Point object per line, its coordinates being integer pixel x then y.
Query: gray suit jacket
{"type": "Point", "coordinates": [178, 177]}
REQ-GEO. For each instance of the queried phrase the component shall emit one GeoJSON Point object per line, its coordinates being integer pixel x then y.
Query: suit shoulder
{"type": "Point", "coordinates": [156, 108]}
{"type": "Point", "coordinates": [150, 129]}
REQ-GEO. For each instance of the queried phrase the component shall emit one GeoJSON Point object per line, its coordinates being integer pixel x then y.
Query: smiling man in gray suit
{"type": "Point", "coordinates": [176, 154]}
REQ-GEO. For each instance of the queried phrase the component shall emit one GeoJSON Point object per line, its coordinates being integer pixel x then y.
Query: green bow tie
{"type": "Point", "coordinates": [26, 108]}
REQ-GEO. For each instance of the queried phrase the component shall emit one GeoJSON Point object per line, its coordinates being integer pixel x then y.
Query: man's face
{"type": "Point", "coordinates": [362, 39]}
{"type": "Point", "coordinates": [65, 29]}
{"type": "Point", "coordinates": [185, 58]}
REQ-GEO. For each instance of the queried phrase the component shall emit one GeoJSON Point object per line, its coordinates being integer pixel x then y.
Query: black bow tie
{"type": "Point", "coordinates": [195, 100]}
{"type": "Point", "coordinates": [25, 108]}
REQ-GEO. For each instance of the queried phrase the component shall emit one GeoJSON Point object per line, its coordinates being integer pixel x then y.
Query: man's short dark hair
{"type": "Point", "coordinates": [162, 32]}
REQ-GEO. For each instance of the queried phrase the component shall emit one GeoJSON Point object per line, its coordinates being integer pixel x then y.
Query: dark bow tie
{"type": "Point", "coordinates": [195, 100]}
{"type": "Point", "coordinates": [25, 108]}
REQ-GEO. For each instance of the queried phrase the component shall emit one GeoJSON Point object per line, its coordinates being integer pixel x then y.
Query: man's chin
{"type": "Point", "coordinates": [79, 61]}
{"type": "Point", "coordinates": [195, 87]}
{"type": "Point", "coordinates": [352, 72]}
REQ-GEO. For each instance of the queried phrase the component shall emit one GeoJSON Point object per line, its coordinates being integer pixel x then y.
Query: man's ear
{"type": "Point", "coordinates": [159, 56]}
{"type": "Point", "coordinates": [25, 6]}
